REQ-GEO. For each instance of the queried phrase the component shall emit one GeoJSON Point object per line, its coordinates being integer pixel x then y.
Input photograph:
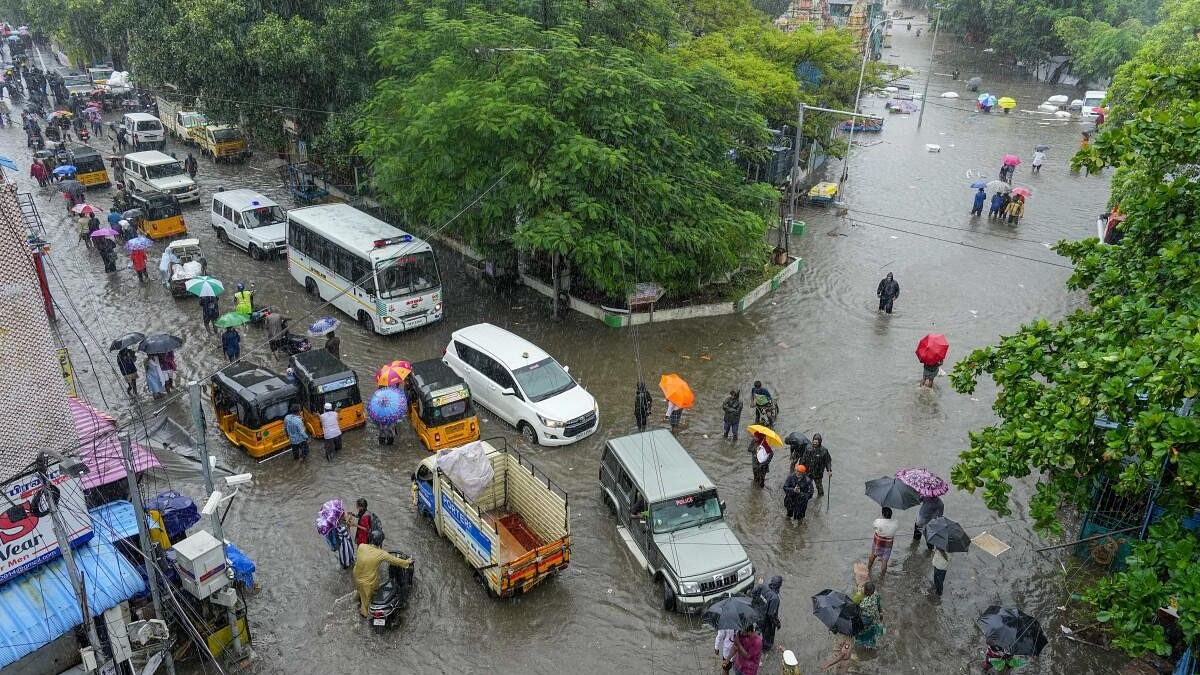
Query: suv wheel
{"type": "Point", "coordinates": [255, 252]}
{"type": "Point", "coordinates": [668, 596]}
{"type": "Point", "coordinates": [222, 235]}
{"type": "Point", "coordinates": [528, 433]}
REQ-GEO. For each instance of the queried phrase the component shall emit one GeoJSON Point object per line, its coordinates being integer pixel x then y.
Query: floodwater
{"type": "Point", "coordinates": [838, 367]}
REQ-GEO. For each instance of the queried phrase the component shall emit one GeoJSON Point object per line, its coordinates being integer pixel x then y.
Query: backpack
{"type": "Point", "coordinates": [373, 522]}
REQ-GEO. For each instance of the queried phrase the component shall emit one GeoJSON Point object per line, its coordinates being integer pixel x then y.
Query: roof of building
{"type": "Point", "coordinates": [659, 465]}
{"type": "Point", "coordinates": [41, 606]}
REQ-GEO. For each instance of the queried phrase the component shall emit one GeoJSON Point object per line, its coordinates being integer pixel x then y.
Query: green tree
{"type": "Point", "coordinates": [618, 161]}
{"type": "Point", "coordinates": [1098, 48]}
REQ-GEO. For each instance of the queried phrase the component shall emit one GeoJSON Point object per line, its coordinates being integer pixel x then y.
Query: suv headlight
{"type": "Point", "coordinates": [689, 587]}
{"type": "Point", "coordinates": [553, 424]}
{"type": "Point", "coordinates": [746, 572]}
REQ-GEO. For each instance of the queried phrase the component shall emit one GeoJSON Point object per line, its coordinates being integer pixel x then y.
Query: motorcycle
{"type": "Point", "coordinates": [392, 596]}
{"type": "Point", "coordinates": [293, 344]}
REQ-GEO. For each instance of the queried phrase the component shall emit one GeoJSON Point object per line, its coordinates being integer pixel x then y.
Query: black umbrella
{"type": "Point", "coordinates": [838, 612]}
{"type": "Point", "coordinates": [160, 344]}
{"type": "Point", "coordinates": [1012, 630]}
{"type": "Point", "coordinates": [947, 535]}
{"type": "Point", "coordinates": [736, 613]}
{"type": "Point", "coordinates": [72, 187]}
{"type": "Point", "coordinates": [974, 82]}
{"type": "Point", "coordinates": [126, 340]}
{"type": "Point", "coordinates": [892, 492]}
{"type": "Point", "coordinates": [1041, 148]}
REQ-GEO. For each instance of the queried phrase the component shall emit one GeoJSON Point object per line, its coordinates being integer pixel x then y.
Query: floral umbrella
{"type": "Point", "coordinates": [924, 481]}
{"type": "Point", "coordinates": [387, 405]}
{"type": "Point", "coordinates": [331, 513]}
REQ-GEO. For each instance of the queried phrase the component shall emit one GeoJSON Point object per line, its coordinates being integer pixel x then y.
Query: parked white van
{"type": "Point", "coordinates": [1091, 104]}
{"type": "Point", "coordinates": [153, 170]}
{"type": "Point", "coordinates": [250, 221]}
{"type": "Point", "coordinates": [144, 131]}
{"type": "Point", "coordinates": [522, 384]}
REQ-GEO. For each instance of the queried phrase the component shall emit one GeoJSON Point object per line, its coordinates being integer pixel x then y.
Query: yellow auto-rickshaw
{"type": "Point", "coordinates": [439, 406]}
{"type": "Point", "coordinates": [321, 379]}
{"type": "Point", "coordinates": [157, 214]}
{"type": "Point", "coordinates": [250, 402]}
{"type": "Point", "coordinates": [89, 165]}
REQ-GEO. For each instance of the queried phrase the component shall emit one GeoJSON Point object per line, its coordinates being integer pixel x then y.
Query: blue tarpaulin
{"type": "Point", "coordinates": [41, 606]}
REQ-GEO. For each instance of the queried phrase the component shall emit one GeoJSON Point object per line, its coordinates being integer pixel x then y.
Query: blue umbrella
{"type": "Point", "coordinates": [323, 326]}
{"type": "Point", "coordinates": [387, 405]}
{"type": "Point", "coordinates": [139, 244]}
{"type": "Point", "coordinates": [65, 170]}
{"type": "Point", "coordinates": [984, 97]}
{"type": "Point", "coordinates": [8, 163]}
{"type": "Point", "coordinates": [981, 183]}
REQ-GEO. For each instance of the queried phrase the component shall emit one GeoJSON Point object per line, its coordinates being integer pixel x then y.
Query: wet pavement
{"type": "Point", "coordinates": [838, 367]}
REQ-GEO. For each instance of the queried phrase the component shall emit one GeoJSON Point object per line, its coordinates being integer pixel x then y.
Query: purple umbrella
{"type": "Point", "coordinates": [331, 513]}
{"type": "Point", "coordinates": [924, 481]}
{"type": "Point", "coordinates": [105, 232]}
{"type": "Point", "coordinates": [387, 405]}
{"type": "Point", "coordinates": [139, 244]}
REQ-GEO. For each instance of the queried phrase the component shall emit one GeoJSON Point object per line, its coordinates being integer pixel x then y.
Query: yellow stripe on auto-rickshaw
{"type": "Point", "coordinates": [93, 178]}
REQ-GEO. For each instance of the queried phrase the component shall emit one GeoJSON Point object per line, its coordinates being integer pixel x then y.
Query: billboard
{"type": "Point", "coordinates": [29, 542]}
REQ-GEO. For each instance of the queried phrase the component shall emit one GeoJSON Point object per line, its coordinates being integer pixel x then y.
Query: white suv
{"type": "Point", "coordinates": [249, 221]}
{"type": "Point", "coordinates": [522, 385]}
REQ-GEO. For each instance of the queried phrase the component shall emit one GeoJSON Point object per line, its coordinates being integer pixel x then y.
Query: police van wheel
{"type": "Point", "coordinates": [668, 596]}
{"type": "Point", "coordinates": [365, 321]}
{"type": "Point", "coordinates": [222, 236]}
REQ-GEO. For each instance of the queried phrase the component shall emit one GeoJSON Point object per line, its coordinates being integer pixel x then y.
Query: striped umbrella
{"type": "Point", "coordinates": [393, 374]}
{"type": "Point", "coordinates": [205, 287]}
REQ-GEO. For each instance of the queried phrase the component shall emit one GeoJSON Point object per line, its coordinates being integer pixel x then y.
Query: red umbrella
{"type": "Point", "coordinates": [1011, 160]}
{"type": "Point", "coordinates": [932, 348]}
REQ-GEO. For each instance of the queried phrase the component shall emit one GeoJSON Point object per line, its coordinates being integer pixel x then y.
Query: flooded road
{"type": "Point", "coordinates": [838, 367]}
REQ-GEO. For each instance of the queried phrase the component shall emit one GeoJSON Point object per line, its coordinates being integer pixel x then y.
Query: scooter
{"type": "Point", "coordinates": [392, 596]}
{"type": "Point", "coordinates": [293, 344]}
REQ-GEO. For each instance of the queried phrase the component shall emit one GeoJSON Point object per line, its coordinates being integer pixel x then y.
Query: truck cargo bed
{"type": "Point", "coordinates": [516, 537]}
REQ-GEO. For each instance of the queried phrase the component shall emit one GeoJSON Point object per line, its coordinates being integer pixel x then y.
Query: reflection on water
{"type": "Point", "coordinates": [837, 365]}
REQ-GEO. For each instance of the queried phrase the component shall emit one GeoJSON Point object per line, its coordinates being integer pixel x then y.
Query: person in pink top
{"type": "Point", "coordinates": [747, 651]}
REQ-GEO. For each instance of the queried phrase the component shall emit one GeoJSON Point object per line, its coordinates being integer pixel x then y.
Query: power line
{"type": "Point", "coordinates": [964, 244]}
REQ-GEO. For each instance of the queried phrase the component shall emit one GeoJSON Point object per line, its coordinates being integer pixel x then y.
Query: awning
{"type": "Point", "coordinates": [41, 606]}
{"type": "Point", "coordinates": [101, 450]}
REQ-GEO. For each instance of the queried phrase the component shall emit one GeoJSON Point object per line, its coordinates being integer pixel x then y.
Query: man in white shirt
{"type": "Point", "coordinates": [885, 536]}
{"type": "Point", "coordinates": [331, 431]}
{"type": "Point", "coordinates": [723, 646]}
{"type": "Point", "coordinates": [941, 562]}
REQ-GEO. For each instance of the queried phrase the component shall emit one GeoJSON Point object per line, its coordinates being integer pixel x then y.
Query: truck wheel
{"type": "Point", "coordinates": [528, 433]}
{"type": "Point", "coordinates": [255, 252]}
{"type": "Point", "coordinates": [310, 287]}
{"type": "Point", "coordinates": [668, 596]}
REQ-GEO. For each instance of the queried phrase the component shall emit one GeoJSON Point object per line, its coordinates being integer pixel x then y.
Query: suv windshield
{"type": "Point", "coordinates": [260, 217]}
{"type": "Point", "coordinates": [543, 379]}
{"type": "Point", "coordinates": [406, 275]}
{"type": "Point", "coordinates": [165, 170]}
{"type": "Point", "coordinates": [684, 512]}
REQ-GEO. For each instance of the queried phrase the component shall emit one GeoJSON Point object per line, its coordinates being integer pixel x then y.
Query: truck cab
{"type": "Point", "coordinates": [220, 142]}
{"type": "Point", "coordinates": [671, 518]}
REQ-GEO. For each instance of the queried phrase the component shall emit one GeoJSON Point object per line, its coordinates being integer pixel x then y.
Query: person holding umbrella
{"type": "Point", "coordinates": [137, 258]}
{"type": "Point", "coordinates": [231, 343]}
{"type": "Point", "coordinates": [154, 376]}
{"type": "Point", "coordinates": [1016, 208]}
{"type": "Point", "coordinates": [679, 396]}
{"type": "Point", "coordinates": [761, 453]}
{"type": "Point", "coordinates": [944, 536]}
{"type": "Point", "coordinates": [980, 198]}
{"type": "Point", "coordinates": [871, 608]}
{"type": "Point", "coordinates": [386, 407]}
{"type": "Point", "coordinates": [931, 352]}
{"type": "Point", "coordinates": [930, 487]}
{"type": "Point", "coordinates": [843, 618]}
{"type": "Point", "coordinates": [127, 364]}
{"type": "Point", "coordinates": [1010, 633]}
{"type": "Point", "coordinates": [730, 616]}
{"type": "Point", "coordinates": [209, 311]}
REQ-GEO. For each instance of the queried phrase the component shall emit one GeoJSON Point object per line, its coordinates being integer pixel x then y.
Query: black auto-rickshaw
{"type": "Point", "coordinates": [250, 402]}
{"type": "Point", "coordinates": [322, 378]}
{"type": "Point", "coordinates": [439, 406]}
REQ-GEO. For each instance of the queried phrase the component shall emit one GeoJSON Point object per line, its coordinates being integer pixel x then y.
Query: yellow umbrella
{"type": "Point", "coordinates": [772, 437]}
{"type": "Point", "coordinates": [1007, 102]}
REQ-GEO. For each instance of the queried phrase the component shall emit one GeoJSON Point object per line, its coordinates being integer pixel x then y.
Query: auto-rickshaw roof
{"type": "Point", "coordinates": [433, 375]}
{"type": "Point", "coordinates": [254, 383]}
{"type": "Point", "coordinates": [79, 150]}
{"type": "Point", "coordinates": [151, 197]}
{"type": "Point", "coordinates": [318, 366]}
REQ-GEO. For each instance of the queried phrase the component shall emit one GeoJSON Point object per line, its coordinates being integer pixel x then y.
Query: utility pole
{"type": "Point", "coordinates": [218, 530]}
{"type": "Point", "coordinates": [152, 572]}
{"type": "Point", "coordinates": [929, 71]}
{"type": "Point", "coordinates": [64, 547]}
{"type": "Point", "coordinates": [794, 179]}
{"type": "Point", "coordinates": [862, 71]}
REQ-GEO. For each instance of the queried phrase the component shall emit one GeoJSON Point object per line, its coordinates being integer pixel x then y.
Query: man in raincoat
{"type": "Point", "coordinates": [768, 598]}
{"type": "Point", "coordinates": [997, 205]}
{"type": "Point", "coordinates": [888, 290]}
{"type": "Point", "coordinates": [732, 410]}
{"type": "Point", "coordinates": [797, 491]}
{"type": "Point", "coordinates": [368, 561]}
{"type": "Point", "coordinates": [818, 461]}
{"type": "Point", "coordinates": [980, 198]}
{"type": "Point", "coordinates": [641, 406]}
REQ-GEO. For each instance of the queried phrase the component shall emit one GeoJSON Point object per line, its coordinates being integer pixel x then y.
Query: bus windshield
{"type": "Point", "coordinates": [684, 512]}
{"type": "Point", "coordinates": [407, 275]}
{"type": "Point", "coordinates": [262, 216]}
{"type": "Point", "coordinates": [164, 170]}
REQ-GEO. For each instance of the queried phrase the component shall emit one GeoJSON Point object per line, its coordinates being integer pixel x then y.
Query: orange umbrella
{"type": "Point", "coordinates": [676, 390]}
{"type": "Point", "coordinates": [393, 374]}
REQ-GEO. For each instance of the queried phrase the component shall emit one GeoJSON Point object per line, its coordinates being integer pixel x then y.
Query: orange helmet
{"type": "Point", "coordinates": [801, 468]}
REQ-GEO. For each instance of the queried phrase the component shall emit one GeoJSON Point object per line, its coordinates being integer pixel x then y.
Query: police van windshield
{"type": "Point", "coordinates": [684, 512]}
{"type": "Point", "coordinates": [407, 275]}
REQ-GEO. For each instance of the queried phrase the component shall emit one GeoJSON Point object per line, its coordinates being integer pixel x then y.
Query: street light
{"type": "Point", "coordinates": [937, 20]}
{"type": "Point", "coordinates": [862, 70]}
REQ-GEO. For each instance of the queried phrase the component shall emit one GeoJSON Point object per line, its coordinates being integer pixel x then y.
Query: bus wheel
{"type": "Point", "coordinates": [310, 287]}
{"type": "Point", "coordinates": [365, 321]}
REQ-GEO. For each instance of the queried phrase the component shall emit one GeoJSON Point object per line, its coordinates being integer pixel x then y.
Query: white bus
{"type": "Point", "coordinates": [386, 279]}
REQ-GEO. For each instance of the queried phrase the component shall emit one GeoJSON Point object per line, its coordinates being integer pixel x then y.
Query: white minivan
{"type": "Point", "coordinates": [153, 170]}
{"type": "Point", "coordinates": [522, 385]}
{"type": "Point", "coordinates": [1091, 104]}
{"type": "Point", "coordinates": [144, 131]}
{"type": "Point", "coordinates": [250, 221]}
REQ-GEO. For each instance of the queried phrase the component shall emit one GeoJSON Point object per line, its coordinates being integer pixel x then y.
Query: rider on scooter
{"type": "Point", "coordinates": [368, 560]}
